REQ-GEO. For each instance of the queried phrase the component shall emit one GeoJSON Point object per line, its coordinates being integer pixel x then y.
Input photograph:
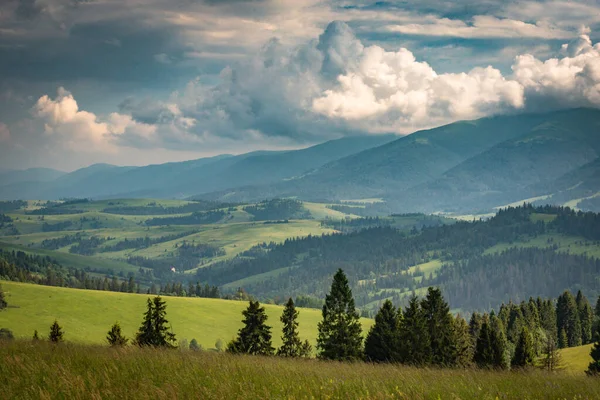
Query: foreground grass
{"type": "Point", "coordinates": [45, 371]}
{"type": "Point", "coordinates": [86, 315]}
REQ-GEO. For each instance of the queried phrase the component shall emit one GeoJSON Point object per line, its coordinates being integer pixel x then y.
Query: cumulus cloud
{"type": "Point", "coordinates": [83, 130]}
{"type": "Point", "coordinates": [333, 85]}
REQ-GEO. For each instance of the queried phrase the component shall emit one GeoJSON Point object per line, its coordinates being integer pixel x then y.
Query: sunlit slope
{"type": "Point", "coordinates": [87, 315]}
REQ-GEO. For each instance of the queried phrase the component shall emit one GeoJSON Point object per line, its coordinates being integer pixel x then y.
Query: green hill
{"type": "Point", "coordinates": [87, 315]}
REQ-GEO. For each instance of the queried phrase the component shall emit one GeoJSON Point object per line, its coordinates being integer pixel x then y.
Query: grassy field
{"type": "Point", "coordinates": [576, 358]}
{"type": "Point", "coordinates": [87, 315]}
{"type": "Point", "coordinates": [44, 371]}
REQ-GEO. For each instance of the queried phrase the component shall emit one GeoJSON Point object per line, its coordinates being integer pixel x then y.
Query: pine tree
{"type": "Point", "coordinates": [440, 325]}
{"type": "Point", "coordinates": [484, 355]}
{"type": "Point", "coordinates": [3, 303]}
{"type": "Point", "coordinates": [597, 309]}
{"type": "Point", "coordinates": [594, 366]}
{"type": "Point", "coordinates": [292, 345]}
{"type": "Point", "coordinates": [255, 336]}
{"type": "Point", "coordinates": [154, 330]}
{"type": "Point", "coordinates": [563, 340]}
{"type": "Point", "coordinates": [524, 353]}
{"type": "Point", "coordinates": [464, 346]}
{"type": "Point", "coordinates": [382, 342]}
{"type": "Point", "coordinates": [474, 327]}
{"type": "Point", "coordinates": [56, 334]}
{"type": "Point", "coordinates": [340, 331]}
{"type": "Point", "coordinates": [115, 336]}
{"type": "Point", "coordinates": [414, 335]}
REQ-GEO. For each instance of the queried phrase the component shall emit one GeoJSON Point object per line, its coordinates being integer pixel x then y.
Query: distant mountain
{"type": "Point", "coordinates": [183, 179]}
{"type": "Point", "coordinates": [462, 166]}
{"type": "Point", "coordinates": [8, 177]}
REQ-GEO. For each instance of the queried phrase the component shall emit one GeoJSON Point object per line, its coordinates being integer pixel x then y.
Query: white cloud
{"type": "Point", "coordinates": [288, 95]}
{"type": "Point", "coordinates": [483, 26]}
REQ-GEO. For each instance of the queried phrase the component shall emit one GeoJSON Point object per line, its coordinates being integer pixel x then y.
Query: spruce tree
{"type": "Point", "coordinates": [255, 336]}
{"type": "Point", "coordinates": [56, 333]}
{"type": "Point", "coordinates": [474, 327]}
{"type": "Point", "coordinates": [292, 345]}
{"type": "Point", "coordinates": [154, 330]}
{"type": "Point", "coordinates": [597, 309]}
{"type": "Point", "coordinates": [464, 345]}
{"type": "Point", "coordinates": [414, 335]}
{"type": "Point", "coordinates": [568, 319]}
{"type": "Point", "coordinates": [484, 355]}
{"type": "Point", "coordinates": [115, 336]}
{"type": "Point", "coordinates": [524, 352]}
{"type": "Point", "coordinates": [382, 342]}
{"type": "Point", "coordinates": [499, 344]}
{"type": "Point", "coordinates": [586, 316]}
{"type": "Point", "coordinates": [594, 365]}
{"type": "Point", "coordinates": [340, 331]}
{"type": "Point", "coordinates": [563, 340]}
{"type": "Point", "coordinates": [440, 325]}
{"type": "Point", "coordinates": [3, 303]}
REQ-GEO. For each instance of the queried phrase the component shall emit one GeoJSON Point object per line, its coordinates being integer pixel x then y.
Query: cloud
{"type": "Point", "coordinates": [81, 130]}
{"type": "Point", "coordinates": [483, 26]}
{"type": "Point", "coordinates": [571, 81]}
{"type": "Point", "coordinates": [287, 96]}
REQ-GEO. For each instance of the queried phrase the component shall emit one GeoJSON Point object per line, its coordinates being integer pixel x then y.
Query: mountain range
{"type": "Point", "coordinates": [465, 166]}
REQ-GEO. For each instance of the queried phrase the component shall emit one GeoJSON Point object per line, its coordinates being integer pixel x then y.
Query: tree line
{"type": "Point", "coordinates": [425, 333]}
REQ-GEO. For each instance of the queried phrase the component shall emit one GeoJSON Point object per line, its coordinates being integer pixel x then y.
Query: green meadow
{"type": "Point", "coordinates": [87, 315]}
{"type": "Point", "coordinates": [42, 370]}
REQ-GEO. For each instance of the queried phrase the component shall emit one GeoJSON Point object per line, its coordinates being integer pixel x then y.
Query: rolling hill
{"type": "Point", "coordinates": [87, 315]}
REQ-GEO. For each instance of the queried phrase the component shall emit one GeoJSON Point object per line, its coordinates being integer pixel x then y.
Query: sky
{"type": "Point", "coordinates": [136, 82]}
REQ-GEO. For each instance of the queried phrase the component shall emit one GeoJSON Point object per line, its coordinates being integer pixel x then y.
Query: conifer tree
{"type": "Point", "coordinates": [586, 316]}
{"type": "Point", "coordinates": [499, 344]}
{"type": "Point", "coordinates": [484, 354]}
{"type": "Point", "coordinates": [340, 331]}
{"type": "Point", "coordinates": [563, 340]}
{"type": "Point", "coordinates": [567, 316]}
{"type": "Point", "coordinates": [255, 336]}
{"type": "Point", "coordinates": [3, 303]}
{"type": "Point", "coordinates": [382, 342]}
{"type": "Point", "coordinates": [56, 333]}
{"type": "Point", "coordinates": [474, 327]}
{"type": "Point", "coordinates": [594, 365]}
{"type": "Point", "coordinates": [115, 336]}
{"type": "Point", "coordinates": [36, 336]}
{"type": "Point", "coordinates": [597, 309]}
{"type": "Point", "coordinates": [154, 330]}
{"type": "Point", "coordinates": [292, 345]}
{"type": "Point", "coordinates": [464, 346]}
{"type": "Point", "coordinates": [440, 325]}
{"type": "Point", "coordinates": [414, 335]}
{"type": "Point", "coordinates": [524, 353]}
{"type": "Point", "coordinates": [551, 357]}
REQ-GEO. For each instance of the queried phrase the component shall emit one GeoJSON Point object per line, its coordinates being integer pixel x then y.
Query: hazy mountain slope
{"type": "Point", "coordinates": [397, 166]}
{"type": "Point", "coordinates": [29, 175]}
{"type": "Point", "coordinates": [517, 168]}
{"type": "Point", "coordinates": [182, 179]}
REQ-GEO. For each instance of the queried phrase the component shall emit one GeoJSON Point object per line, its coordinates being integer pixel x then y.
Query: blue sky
{"type": "Point", "coordinates": [134, 82]}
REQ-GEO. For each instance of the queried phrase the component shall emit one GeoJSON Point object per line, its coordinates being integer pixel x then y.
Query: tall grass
{"type": "Point", "coordinates": [41, 370]}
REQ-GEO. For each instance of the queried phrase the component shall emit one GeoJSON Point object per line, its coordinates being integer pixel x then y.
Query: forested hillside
{"type": "Point", "coordinates": [515, 254]}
